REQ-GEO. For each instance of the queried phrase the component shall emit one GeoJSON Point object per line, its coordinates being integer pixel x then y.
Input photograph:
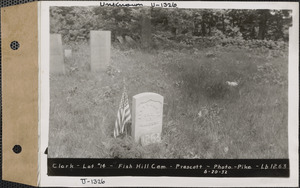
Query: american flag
{"type": "Point", "coordinates": [123, 115]}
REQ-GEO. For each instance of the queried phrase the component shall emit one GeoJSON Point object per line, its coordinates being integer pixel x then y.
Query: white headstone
{"type": "Point", "coordinates": [100, 42]}
{"type": "Point", "coordinates": [68, 53]}
{"type": "Point", "coordinates": [147, 115]}
{"type": "Point", "coordinates": [56, 54]}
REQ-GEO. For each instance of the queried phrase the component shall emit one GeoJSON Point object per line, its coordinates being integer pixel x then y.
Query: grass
{"type": "Point", "coordinates": [203, 116]}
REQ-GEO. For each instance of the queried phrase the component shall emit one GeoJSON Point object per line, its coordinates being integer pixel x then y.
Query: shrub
{"type": "Point", "coordinates": [125, 148]}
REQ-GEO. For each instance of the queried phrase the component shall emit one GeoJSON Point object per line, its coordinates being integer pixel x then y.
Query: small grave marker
{"type": "Point", "coordinates": [100, 42]}
{"type": "Point", "coordinates": [147, 118]}
{"type": "Point", "coordinates": [68, 53]}
{"type": "Point", "coordinates": [56, 54]}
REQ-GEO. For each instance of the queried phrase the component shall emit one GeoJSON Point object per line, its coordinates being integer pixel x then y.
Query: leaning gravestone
{"type": "Point", "coordinates": [147, 118]}
{"type": "Point", "coordinates": [100, 42]}
{"type": "Point", "coordinates": [56, 54]}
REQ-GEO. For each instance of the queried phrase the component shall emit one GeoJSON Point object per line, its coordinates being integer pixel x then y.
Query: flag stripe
{"type": "Point", "coordinates": [123, 114]}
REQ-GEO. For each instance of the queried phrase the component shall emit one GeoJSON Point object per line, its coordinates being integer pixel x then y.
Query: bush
{"type": "Point", "coordinates": [125, 148]}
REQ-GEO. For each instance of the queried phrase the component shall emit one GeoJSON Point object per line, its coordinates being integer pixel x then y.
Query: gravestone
{"type": "Point", "coordinates": [56, 54]}
{"type": "Point", "coordinates": [146, 29]}
{"type": "Point", "coordinates": [129, 40]}
{"type": "Point", "coordinates": [147, 118]}
{"type": "Point", "coordinates": [68, 53]}
{"type": "Point", "coordinates": [100, 42]}
{"type": "Point", "coordinates": [120, 39]}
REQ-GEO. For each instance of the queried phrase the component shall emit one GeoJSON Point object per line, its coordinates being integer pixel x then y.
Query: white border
{"type": "Point", "coordinates": [293, 94]}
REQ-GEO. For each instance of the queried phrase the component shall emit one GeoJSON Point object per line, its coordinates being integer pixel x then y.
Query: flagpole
{"type": "Point", "coordinates": [124, 82]}
{"type": "Point", "coordinates": [124, 88]}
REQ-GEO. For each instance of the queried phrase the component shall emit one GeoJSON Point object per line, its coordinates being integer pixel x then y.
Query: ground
{"type": "Point", "coordinates": [203, 118]}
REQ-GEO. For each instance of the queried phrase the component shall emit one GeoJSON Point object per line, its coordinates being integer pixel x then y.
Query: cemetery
{"type": "Point", "coordinates": [221, 101]}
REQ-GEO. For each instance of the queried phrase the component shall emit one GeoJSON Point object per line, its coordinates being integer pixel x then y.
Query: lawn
{"type": "Point", "coordinates": [203, 116]}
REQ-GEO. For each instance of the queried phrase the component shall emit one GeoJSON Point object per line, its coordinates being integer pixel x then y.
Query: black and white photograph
{"type": "Point", "coordinates": [168, 83]}
{"type": "Point", "coordinates": [186, 94]}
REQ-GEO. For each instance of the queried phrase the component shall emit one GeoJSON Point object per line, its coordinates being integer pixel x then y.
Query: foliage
{"type": "Point", "coordinates": [179, 26]}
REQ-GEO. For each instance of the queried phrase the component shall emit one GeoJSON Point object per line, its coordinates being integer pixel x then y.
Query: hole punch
{"type": "Point", "coordinates": [17, 149]}
{"type": "Point", "coordinates": [14, 45]}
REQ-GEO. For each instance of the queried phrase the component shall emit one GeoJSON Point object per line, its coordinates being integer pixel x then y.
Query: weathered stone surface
{"type": "Point", "coordinates": [129, 40]}
{"type": "Point", "coordinates": [57, 64]}
{"type": "Point", "coordinates": [120, 39]}
{"type": "Point", "coordinates": [150, 138]}
{"type": "Point", "coordinates": [100, 42]}
{"type": "Point", "coordinates": [68, 53]}
{"type": "Point", "coordinates": [147, 118]}
{"type": "Point", "coordinates": [146, 30]}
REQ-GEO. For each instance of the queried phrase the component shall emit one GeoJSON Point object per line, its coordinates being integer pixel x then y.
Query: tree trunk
{"type": "Point", "coordinates": [253, 33]}
{"type": "Point", "coordinates": [209, 26]}
{"type": "Point", "coordinates": [279, 33]}
{"type": "Point", "coordinates": [203, 29]}
{"type": "Point", "coordinates": [223, 24]}
{"type": "Point", "coordinates": [262, 30]}
{"type": "Point", "coordinates": [262, 25]}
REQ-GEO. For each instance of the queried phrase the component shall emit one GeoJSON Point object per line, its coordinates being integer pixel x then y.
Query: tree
{"type": "Point", "coordinates": [263, 18]}
{"type": "Point", "coordinates": [177, 25]}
